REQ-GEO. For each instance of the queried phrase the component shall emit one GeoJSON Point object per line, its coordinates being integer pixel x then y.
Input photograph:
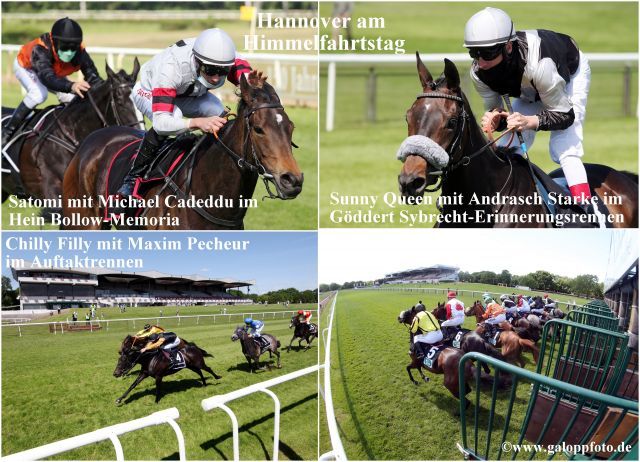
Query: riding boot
{"type": "Point", "coordinates": [146, 154]}
{"type": "Point", "coordinates": [20, 113]}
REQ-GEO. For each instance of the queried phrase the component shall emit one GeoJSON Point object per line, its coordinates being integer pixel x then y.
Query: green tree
{"type": "Point", "coordinates": [9, 295]}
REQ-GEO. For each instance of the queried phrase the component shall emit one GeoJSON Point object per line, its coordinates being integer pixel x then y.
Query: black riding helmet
{"type": "Point", "coordinates": [66, 34]}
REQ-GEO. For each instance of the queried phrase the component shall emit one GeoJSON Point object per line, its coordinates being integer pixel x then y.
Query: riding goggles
{"type": "Point", "coordinates": [212, 69]}
{"type": "Point", "coordinates": [486, 53]}
{"type": "Point", "coordinates": [68, 46]}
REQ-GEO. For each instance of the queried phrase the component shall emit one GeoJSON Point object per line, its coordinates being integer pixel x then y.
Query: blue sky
{"type": "Point", "coordinates": [370, 254]}
{"type": "Point", "coordinates": [276, 260]}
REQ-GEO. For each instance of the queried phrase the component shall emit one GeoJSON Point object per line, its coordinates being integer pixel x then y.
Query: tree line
{"type": "Point", "coordinates": [584, 285]}
{"type": "Point", "coordinates": [290, 295]}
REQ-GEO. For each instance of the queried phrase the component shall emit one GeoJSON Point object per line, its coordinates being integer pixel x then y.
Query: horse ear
{"type": "Point", "coordinates": [451, 75]}
{"type": "Point", "coordinates": [110, 73]}
{"type": "Point", "coordinates": [136, 69]}
{"type": "Point", "coordinates": [245, 89]}
{"type": "Point", "coordinates": [425, 76]}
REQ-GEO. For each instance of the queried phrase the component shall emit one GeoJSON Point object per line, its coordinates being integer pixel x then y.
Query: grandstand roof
{"type": "Point", "coordinates": [424, 269]}
{"type": "Point", "coordinates": [127, 276]}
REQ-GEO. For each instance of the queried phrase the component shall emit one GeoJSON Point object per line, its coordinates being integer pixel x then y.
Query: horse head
{"type": "Point", "coordinates": [125, 363]}
{"type": "Point", "coordinates": [269, 131]}
{"type": "Point", "coordinates": [406, 316]}
{"type": "Point", "coordinates": [437, 122]}
{"type": "Point", "coordinates": [294, 321]}
{"type": "Point", "coordinates": [440, 312]}
{"type": "Point", "coordinates": [238, 334]}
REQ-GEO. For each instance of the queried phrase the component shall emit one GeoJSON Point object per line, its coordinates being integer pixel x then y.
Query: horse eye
{"type": "Point", "coordinates": [452, 124]}
{"type": "Point", "coordinates": [258, 130]}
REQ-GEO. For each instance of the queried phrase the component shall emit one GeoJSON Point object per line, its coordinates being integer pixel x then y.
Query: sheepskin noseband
{"type": "Point", "coordinates": [424, 147]}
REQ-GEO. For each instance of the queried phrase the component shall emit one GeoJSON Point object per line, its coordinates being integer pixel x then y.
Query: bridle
{"type": "Point", "coordinates": [111, 104]}
{"type": "Point", "coordinates": [462, 122]}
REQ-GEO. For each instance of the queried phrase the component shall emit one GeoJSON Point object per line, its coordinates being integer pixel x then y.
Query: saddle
{"type": "Point", "coordinates": [262, 343]}
{"type": "Point", "coordinates": [492, 333]}
{"type": "Point", "coordinates": [176, 358]}
{"type": "Point", "coordinates": [170, 157]}
{"type": "Point", "coordinates": [556, 183]}
{"type": "Point", "coordinates": [32, 126]}
{"type": "Point", "coordinates": [431, 356]}
{"type": "Point", "coordinates": [456, 340]}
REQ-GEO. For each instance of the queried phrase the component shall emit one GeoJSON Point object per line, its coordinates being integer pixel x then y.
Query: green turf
{"type": "Point", "coordinates": [58, 386]}
{"type": "Point", "coordinates": [358, 157]}
{"type": "Point", "coordinates": [380, 413]}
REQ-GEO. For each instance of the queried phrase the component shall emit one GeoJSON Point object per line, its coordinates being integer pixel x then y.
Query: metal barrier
{"type": "Point", "coordinates": [494, 431]}
{"type": "Point", "coordinates": [167, 416]}
{"type": "Point", "coordinates": [220, 402]}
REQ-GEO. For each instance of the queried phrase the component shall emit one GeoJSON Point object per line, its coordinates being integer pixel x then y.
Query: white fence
{"type": "Point", "coordinates": [332, 60]}
{"type": "Point", "coordinates": [220, 402]}
{"type": "Point", "coordinates": [96, 324]}
{"type": "Point", "coordinates": [295, 77]}
{"type": "Point", "coordinates": [337, 453]}
{"type": "Point", "coordinates": [168, 416]}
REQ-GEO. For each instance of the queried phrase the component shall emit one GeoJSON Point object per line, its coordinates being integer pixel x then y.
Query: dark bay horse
{"type": "Point", "coordinates": [302, 331]}
{"type": "Point", "coordinates": [155, 364]}
{"type": "Point", "coordinates": [256, 143]}
{"type": "Point", "coordinates": [45, 154]}
{"type": "Point", "coordinates": [446, 364]}
{"type": "Point", "coordinates": [452, 141]}
{"type": "Point", "coordinates": [252, 351]}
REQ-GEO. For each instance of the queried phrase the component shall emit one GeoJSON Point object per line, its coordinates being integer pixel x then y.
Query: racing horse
{"type": "Point", "coordinates": [512, 345]}
{"type": "Point", "coordinates": [256, 143]}
{"type": "Point", "coordinates": [446, 363]}
{"type": "Point", "coordinates": [50, 145]}
{"type": "Point", "coordinates": [523, 327]}
{"type": "Point", "coordinates": [445, 143]}
{"type": "Point", "coordinates": [155, 364]}
{"type": "Point", "coordinates": [252, 350]}
{"type": "Point", "coordinates": [302, 331]}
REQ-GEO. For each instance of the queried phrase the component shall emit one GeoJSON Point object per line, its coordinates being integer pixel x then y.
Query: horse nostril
{"type": "Point", "coordinates": [418, 184]}
{"type": "Point", "coordinates": [290, 180]}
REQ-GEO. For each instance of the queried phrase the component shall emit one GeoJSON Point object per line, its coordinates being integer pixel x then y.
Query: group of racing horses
{"type": "Point", "coordinates": [514, 337]}
{"type": "Point", "coordinates": [158, 364]}
{"type": "Point", "coordinates": [70, 152]}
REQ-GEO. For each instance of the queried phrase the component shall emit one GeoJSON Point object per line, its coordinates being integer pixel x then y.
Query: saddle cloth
{"type": "Point", "coordinates": [177, 359]}
{"type": "Point", "coordinates": [457, 339]}
{"type": "Point", "coordinates": [168, 159]}
{"type": "Point", "coordinates": [431, 358]}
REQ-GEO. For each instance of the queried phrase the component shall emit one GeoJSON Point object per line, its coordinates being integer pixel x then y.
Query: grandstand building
{"type": "Point", "coordinates": [430, 274]}
{"type": "Point", "coordinates": [53, 288]}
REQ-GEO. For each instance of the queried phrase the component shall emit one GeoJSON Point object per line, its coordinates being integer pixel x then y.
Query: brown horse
{"type": "Point", "coordinates": [447, 144]}
{"type": "Point", "coordinates": [447, 362]}
{"type": "Point", "coordinates": [512, 345]}
{"type": "Point", "coordinates": [476, 310]}
{"type": "Point", "coordinates": [256, 143]}
{"type": "Point", "coordinates": [155, 364]}
{"type": "Point", "coordinates": [45, 154]}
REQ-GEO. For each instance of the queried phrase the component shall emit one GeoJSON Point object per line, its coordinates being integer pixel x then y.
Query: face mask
{"type": "Point", "coordinates": [66, 55]}
{"type": "Point", "coordinates": [211, 86]}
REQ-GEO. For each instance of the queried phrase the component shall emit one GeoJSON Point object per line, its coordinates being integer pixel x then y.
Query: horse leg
{"type": "Point", "coordinates": [140, 378]}
{"type": "Point", "coordinates": [158, 383]}
{"type": "Point", "coordinates": [409, 367]}
{"type": "Point", "coordinates": [199, 372]}
{"type": "Point", "coordinates": [292, 339]}
{"type": "Point", "coordinates": [277, 353]}
{"type": "Point", "coordinates": [309, 343]}
{"type": "Point", "coordinates": [210, 371]}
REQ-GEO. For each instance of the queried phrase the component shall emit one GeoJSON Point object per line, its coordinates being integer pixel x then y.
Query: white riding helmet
{"type": "Point", "coordinates": [214, 46]}
{"type": "Point", "coordinates": [503, 297]}
{"type": "Point", "coordinates": [488, 27]}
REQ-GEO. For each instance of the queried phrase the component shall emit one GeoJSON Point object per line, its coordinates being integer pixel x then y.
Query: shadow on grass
{"type": "Point", "coordinates": [244, 367]}
{"type": "Point", "coordinates": [174, 386]}
{"type": "Point", "coordinates": [284, 448]}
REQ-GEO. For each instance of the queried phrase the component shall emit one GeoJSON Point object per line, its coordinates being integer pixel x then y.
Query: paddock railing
{"type": "Point", "coordinates": [220, 402]}
{"type": "Point", "coordinates": [337, 453]}
{"type": "Point", "coordinates": [94, 325]}
{"type": "Point", "coordinates": [168, 416]}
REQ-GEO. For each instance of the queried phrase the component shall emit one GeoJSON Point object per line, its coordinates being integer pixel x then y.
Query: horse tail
{"type": "Point", "coordinates": [204, 353]}
{"type": "Point", "coordinates": [277, 343]}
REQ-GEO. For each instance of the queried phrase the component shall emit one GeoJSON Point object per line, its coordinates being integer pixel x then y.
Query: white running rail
{"type": "Point", "coordinates": [338, 450]}
{"type": "Point", "coordinates": [220, 402]}
{"type": "Point", "coordinates": [167, 416]}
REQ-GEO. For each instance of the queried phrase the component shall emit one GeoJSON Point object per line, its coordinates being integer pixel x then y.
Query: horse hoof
{"type": "Point", "coordinates": [118, 401]}
{"type": "Point", "coordinates": [426, 379]}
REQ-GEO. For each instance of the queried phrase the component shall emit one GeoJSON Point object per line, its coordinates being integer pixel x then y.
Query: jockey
{"type": "Point", "coordinates": [549, 304]}
{"type": "Point", "coordinates": [549, 78]}
{"type": "Point", "coordinates": [167, 340]}
{"type": "Point", "coordinates": [254, 328]}
{"type": "Point", "coordinates": [523, 306]}
{"type": "Point", "coordinates": [43, 64]}
{"type": "Point", "coordinates": [509, 306]}
{"type": "Point", "coordinates": [455, 312]}
{"type": "Point", "coordinates": [176, 83]}
{"type": "Point", "coordinates": [304, 316]}
{"type": "Point", "coordinates": [419, 306]}
{"type": "Point", "coordinates": [426, 329]}
{"type": "Point", "coordinates": [149, 330]}
{"type": "Point", "coordinates": [493, 315]}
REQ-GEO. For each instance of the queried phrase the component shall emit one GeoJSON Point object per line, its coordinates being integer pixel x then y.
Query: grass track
{"type": "Point", "coordinates": [380, 413]}
{"type": "Point", "coordinates": [66, 382]}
